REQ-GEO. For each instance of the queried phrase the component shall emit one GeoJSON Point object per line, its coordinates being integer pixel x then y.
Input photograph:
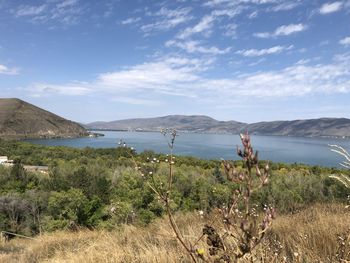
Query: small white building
{"type": "Point", "coordinates": [3, 159]}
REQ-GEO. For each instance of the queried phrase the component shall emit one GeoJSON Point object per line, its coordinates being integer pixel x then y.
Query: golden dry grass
{"type": "Point", "coordinates": [309, 236]}
{"type": "Point", "coordinates": [312, 235]}
{"type": "Point", "coordinates": [156, 243]}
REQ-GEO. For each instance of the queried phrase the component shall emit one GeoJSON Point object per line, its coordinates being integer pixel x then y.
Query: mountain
{"type": "Point", "coordinates": [21, 120]}
{"type": "Point", "coordinates": [333, 127]}
{"type": "Point", "coordinates": [194, 123]}
{"type": "Point", "coordinates": [323, 127]}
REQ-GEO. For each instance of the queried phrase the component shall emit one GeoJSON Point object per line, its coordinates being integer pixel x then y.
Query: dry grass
{"type": "Point", "coordinates": [309, 236]}
{"type": "Point", "coordinates": [156, 243]}
{"type": "Point", "coordinates": [312, 235]}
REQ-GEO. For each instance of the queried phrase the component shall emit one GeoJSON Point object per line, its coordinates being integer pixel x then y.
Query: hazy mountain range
{"type": "Point", "coordinates": [337, 127]}
{"type": "Point", "coordinates": [21, 120]}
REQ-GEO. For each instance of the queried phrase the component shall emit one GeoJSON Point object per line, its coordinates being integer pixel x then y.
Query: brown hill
{"type": "Point", "coordinates": [21, 120]}
{"type": "Point", "coordinates": [322, 127]}
{"type": "Point", "coordinates": [192, 123]}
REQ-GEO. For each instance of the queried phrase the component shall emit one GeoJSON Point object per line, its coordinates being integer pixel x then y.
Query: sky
{"type": "Point", "coordinates": [243, 60]}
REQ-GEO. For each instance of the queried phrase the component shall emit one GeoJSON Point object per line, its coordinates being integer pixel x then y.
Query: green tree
{"type": "Point", "coordinates": [68, 206]}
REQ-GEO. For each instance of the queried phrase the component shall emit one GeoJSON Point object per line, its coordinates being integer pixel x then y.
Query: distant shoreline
{"type": "Point", "coordinates": [226, 133]}
{"type": "Point", "coordinates": [321, 127]}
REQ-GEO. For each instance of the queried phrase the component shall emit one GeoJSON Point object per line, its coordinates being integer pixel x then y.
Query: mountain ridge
{"type": "Point", "coordinates": [22, 120]}
{"type": "Point", "coordinates": [320, 127]}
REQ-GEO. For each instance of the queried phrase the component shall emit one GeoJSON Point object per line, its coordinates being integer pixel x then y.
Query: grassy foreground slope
{"type": "Point", "coordinates": [312, 235]}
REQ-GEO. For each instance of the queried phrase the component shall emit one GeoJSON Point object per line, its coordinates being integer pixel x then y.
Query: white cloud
{"type": "Point", "coordinates": [232, 12]}
{"type": "Point", "coordinates": [257, 62]}
{"type": "Point", "coordinates": [253, 15]}
{"type": "Point", "coordinates": [66, 12]}
{"type": "Point", "coordinates": [303, 61]}
{"type": "Point", "coordinates": [263, 52]}
{"type": "Point", "coordinates": [285, 6]}
{"type": "Point", "coordinates": [167, 19]}
{"type": "Point", "coordinates": [158, 75]}
{"type": "Point", "coordinates": [297, 80]}
{"type": "Point", "coordinates": [67, 3]}
{"type": "Point", "coordinates": [330, 7]}
{"type": "Point", "coordinates": [284, 30]}
{"type": "Point", "coordinates": [345, 41]}
{"type": "Point", "coordinates": [131, 20]}
{"type": "Point", "coordinates": [205, 24]}
{"type": "Point", "coordinates": [195, 47]}
{"type": "Point", "coordinates": [220, 3]}
{"type": "Point", "coordinates": [183, 76]}
{"type": "Point", "coordinates": [179, 76]}
{"type": "Point", "coordinates": [167, 76]}
{"type": "Point", "coordinates": [26, 10]}
{"type": "Point", "coordinates": [263, 35]}
{"type": "Point", "coordinates": [289, 29]}
{"type": "Point", "coordinates": [8, 71]}
{"type": "Point", "coordinates": [214, 3]}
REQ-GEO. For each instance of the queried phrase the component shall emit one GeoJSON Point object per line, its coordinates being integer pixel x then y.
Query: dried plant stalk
{"type": "Point", "coordinates": [345, 180]}
{"type": "Point", "coordinates": [241, 228]}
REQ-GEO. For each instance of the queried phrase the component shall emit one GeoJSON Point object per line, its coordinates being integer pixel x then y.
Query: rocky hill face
{"type": "Point", "coordinates": [21, 120]}
{"type": "Point", "coordinates": [337, 127]}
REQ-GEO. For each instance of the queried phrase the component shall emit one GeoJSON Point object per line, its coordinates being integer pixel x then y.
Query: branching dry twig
{"type": "Point", "coordinates": [242, 228]}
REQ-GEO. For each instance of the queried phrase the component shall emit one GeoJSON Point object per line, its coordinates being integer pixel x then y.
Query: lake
{"type": "Point", "coordinates": [313, 151]}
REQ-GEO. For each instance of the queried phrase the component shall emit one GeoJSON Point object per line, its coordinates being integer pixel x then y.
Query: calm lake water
{"type": "Point", "coordinates": [313, 151]}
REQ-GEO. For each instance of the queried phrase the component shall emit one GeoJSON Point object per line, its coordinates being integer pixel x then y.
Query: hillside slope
{"type": "Point", "coordinates": [21, 120]}
{"type": "Point", "coordinates": [317, 240]}
{"type": "Point", "coordinates": [192, 123]}
{"type": "Point", "coordinates": [337, 127]}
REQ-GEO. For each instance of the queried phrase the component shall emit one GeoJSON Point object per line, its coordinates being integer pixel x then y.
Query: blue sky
{"type": "Point", "coordinates": [244, 60]}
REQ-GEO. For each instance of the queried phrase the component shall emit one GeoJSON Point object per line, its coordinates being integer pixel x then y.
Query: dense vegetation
{"type": "Point", "coordinates": [100, 188]}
